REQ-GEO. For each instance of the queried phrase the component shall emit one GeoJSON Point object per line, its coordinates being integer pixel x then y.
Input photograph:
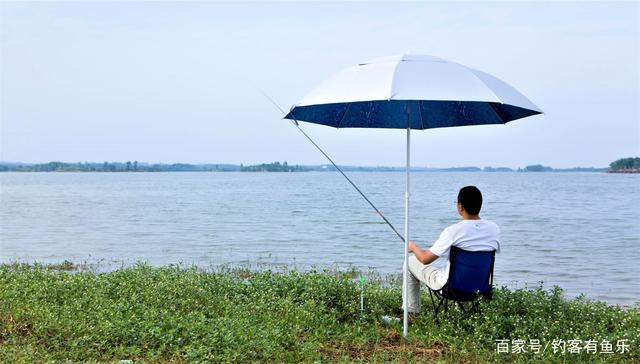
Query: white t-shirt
{"type": "Point", "coordinates": [473, 235]}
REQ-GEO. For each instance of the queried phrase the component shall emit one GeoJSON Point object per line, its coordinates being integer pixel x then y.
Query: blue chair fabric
{"type": "Point", "coordinates": [470, 278]}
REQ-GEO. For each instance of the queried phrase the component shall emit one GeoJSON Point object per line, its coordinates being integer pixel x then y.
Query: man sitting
{"type": "Point", "coordinates": [472, 233]}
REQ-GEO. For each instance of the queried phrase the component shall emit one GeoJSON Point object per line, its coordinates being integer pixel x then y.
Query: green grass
{"type": "Point", "coordinates": [178, 314]}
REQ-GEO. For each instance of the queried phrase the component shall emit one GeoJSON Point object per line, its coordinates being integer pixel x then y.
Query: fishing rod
{"type": "Point", "coordinates": [297, 125]}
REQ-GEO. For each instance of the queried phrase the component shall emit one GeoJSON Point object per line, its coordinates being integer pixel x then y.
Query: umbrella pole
{"type": "Point", "coordinates": [405, 272]}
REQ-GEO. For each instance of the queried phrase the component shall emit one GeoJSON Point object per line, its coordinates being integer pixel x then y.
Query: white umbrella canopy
{"type": "Point", "coordinates": [410, 91]}
{"type": "Point", "coordinates": [439, 93]}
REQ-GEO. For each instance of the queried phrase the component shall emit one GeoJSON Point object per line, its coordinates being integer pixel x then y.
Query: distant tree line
{"type": "Point", "coordinates": [625, 165]}
{"type": "Point", "coordinates": [541, 168]}
{"type": "Point", "coordinates": [272, 167]}
{"type": "Point", "coordinates": [128, 166]}
{"type": "Point", "coordinates": [536, 168]}
{"type": "Point", "coordinates": [497, 169]}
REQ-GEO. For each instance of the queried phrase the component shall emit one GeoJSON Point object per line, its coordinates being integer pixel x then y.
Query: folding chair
{"type": "Point", "coordinates": [470, 277]}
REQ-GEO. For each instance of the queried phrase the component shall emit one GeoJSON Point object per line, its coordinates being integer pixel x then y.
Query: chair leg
{"type": "Point", "coordinates": [462, 307]}
{"type": "Point", "coordinates": [444, 302]}
{"type": "Point", "coordinates": [435, 309]}
{"type": "Point", "coordinates": [476, 306]}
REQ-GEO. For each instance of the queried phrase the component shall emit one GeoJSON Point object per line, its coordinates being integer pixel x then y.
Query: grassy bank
{"type": "Point", "coordinates": [174, 314]}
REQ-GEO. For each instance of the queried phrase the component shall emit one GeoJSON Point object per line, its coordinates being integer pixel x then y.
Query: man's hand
{"type": "Point", "coordinates": [412, 246]}
{"type": "Point", "coordinates": [425, 256]}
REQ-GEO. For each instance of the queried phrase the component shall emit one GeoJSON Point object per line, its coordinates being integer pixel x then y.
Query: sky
{"type": "Point", "coordinates": [180, 81]}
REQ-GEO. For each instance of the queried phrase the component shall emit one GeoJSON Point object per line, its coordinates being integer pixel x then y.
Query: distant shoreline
{"type": "Point", "coordinates": [265, 167]}
{"type": "Point", "coordinates": [368, 170]}
{"type": "Point", "coordinates": [627, 171]}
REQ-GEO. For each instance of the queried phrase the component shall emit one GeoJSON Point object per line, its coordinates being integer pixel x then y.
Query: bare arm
{"type": "Point", "coordinates": [425, 256]}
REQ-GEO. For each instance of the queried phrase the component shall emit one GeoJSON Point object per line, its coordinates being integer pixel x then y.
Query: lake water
{"type": "Point", "coordinates": [576, 230]}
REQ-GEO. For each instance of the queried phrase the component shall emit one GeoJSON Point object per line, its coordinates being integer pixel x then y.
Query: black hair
{"type": "Point", "coordinates": [471, 199]}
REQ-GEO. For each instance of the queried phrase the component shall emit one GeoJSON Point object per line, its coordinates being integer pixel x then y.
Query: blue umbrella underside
{"type": "Point", "coordinates": [423, 114]}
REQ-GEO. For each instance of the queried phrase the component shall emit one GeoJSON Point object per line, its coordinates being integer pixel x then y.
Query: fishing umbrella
{"type": "Point", "coordinates": [410, 92]}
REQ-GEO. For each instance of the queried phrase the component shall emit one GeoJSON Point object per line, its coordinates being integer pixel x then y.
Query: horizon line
{"type": "Point", "coordinates": [294, 164]}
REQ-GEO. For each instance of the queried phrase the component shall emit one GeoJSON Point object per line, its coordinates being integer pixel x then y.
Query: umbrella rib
{"type": "Point", "coordinates": [484, 83]}
{"type": "Point", "coordinates": [491, 104]}
{"type": "Point", "coordinates": [420, 112]}
{"type": "Point", "coordinates": [344, 115]}
{"type": "Point", "coordinates": [393, 77]}
{"type": "Point", "coordinates": [492, 92]}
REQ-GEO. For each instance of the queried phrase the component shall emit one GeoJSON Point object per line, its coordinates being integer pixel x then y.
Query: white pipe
{"type": "Point", "coordinates": [405, 272]}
